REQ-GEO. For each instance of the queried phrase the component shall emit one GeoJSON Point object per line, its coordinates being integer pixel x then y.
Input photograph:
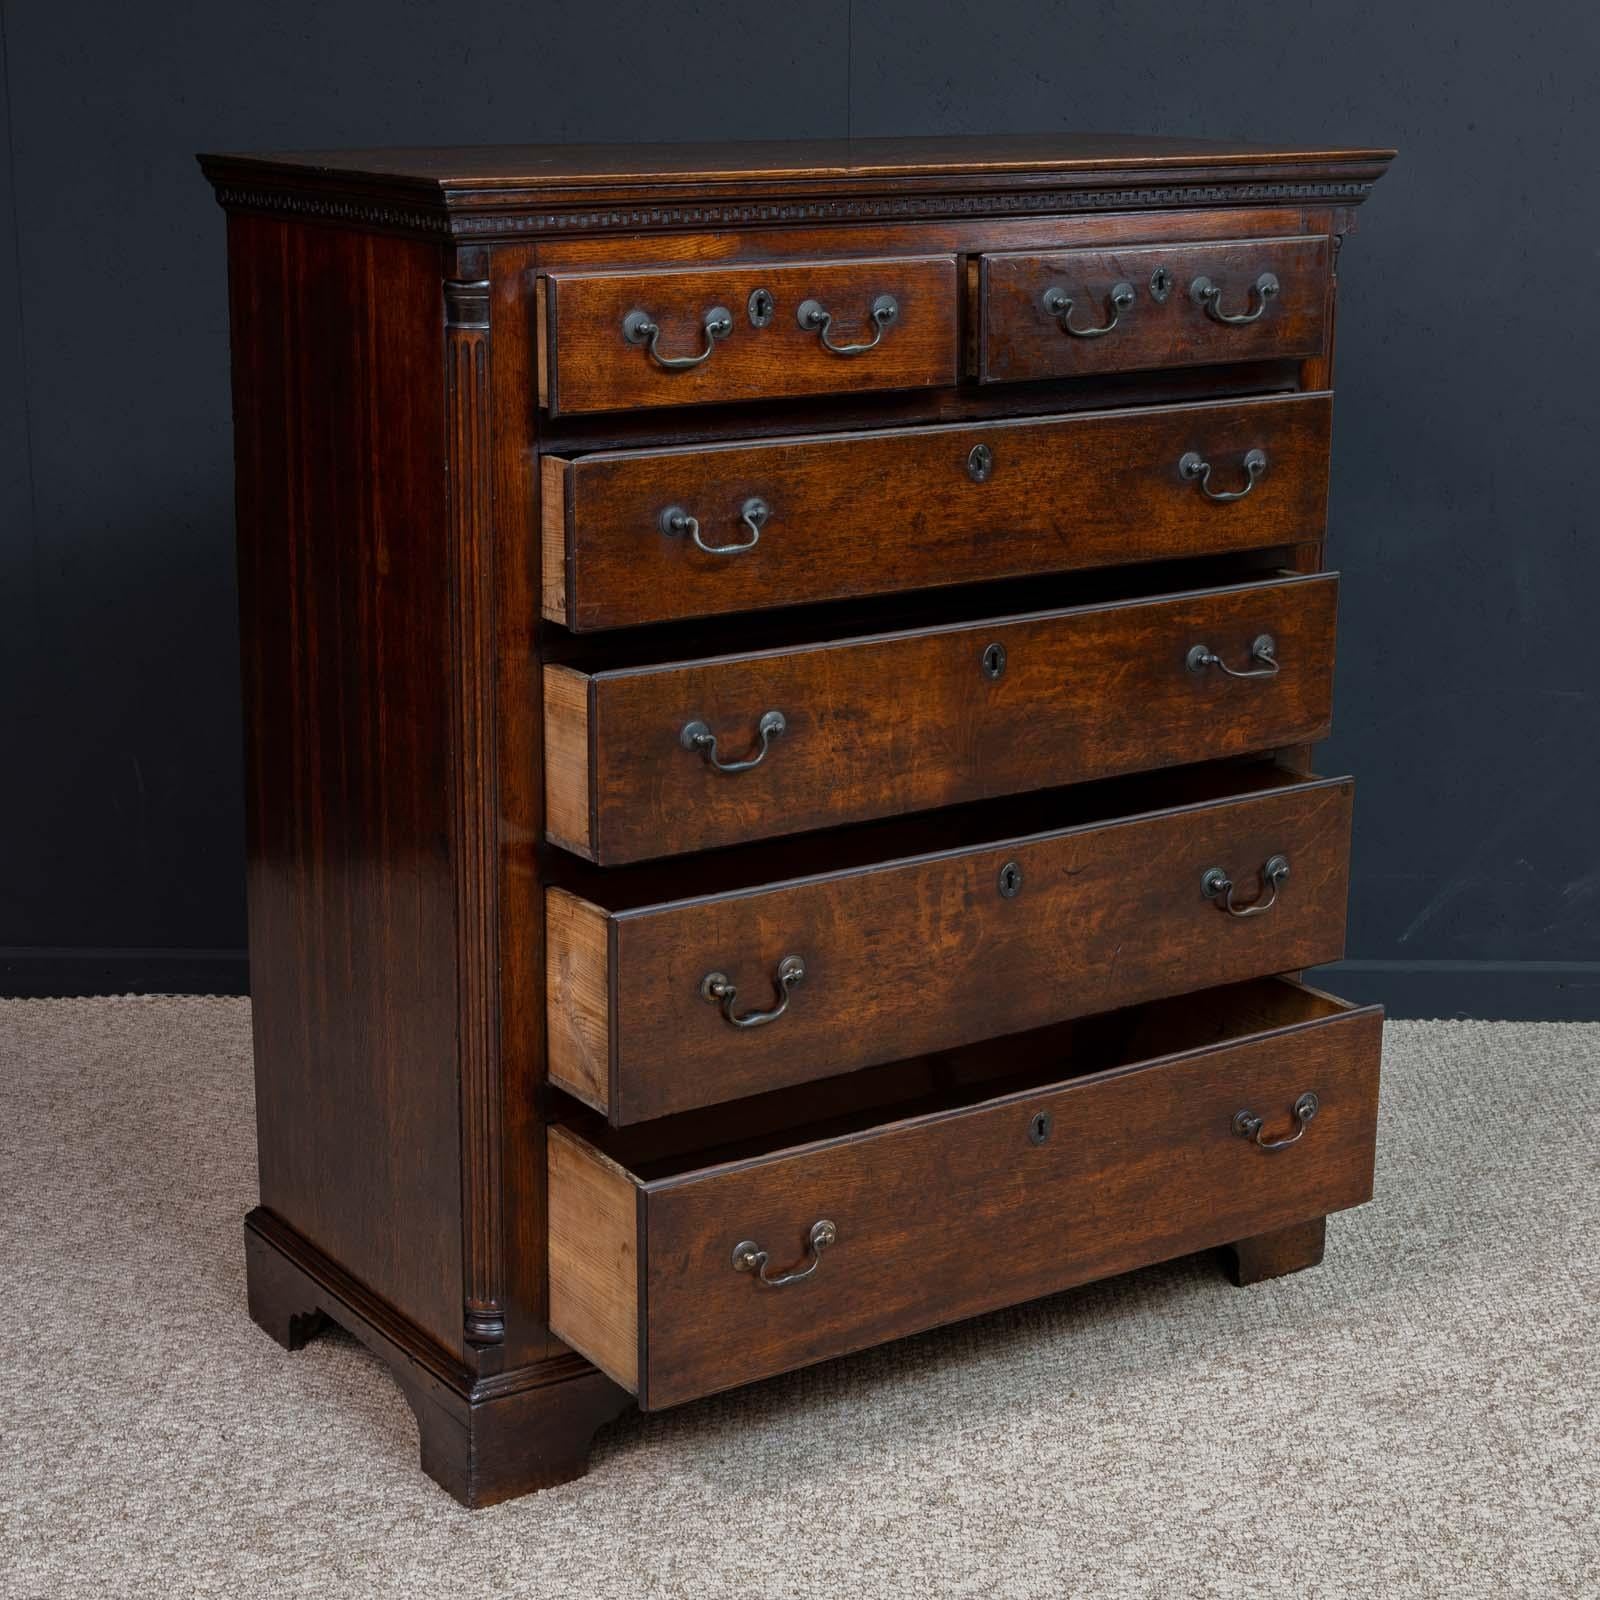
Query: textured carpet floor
{"type": "Point", "coordinates": [1417, 1417]}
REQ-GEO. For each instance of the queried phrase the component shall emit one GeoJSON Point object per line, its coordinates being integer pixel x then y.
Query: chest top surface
{"type": "Point", "coordinates": [517, 190]}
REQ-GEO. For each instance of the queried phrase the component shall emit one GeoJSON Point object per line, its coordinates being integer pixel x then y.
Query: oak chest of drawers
{"type": "Point", "coordinates": [780, 684]}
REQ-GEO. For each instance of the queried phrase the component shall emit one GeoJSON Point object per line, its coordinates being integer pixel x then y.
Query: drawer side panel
{"type": "Point", "coordinates": [594, 1258]}
{"type": "Point", "coordinates": [578, 986]}
{"type": "Point", "coordinates": [553, 519]}
{"type": "Point", "coordinates": [568, 814]}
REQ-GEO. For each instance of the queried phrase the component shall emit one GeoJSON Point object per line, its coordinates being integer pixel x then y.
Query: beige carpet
{"type": "Point", "coordinates": [1417, 1417]}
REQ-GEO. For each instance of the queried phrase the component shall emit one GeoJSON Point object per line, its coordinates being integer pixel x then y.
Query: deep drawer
{"type": "Point", "coordinates": [657, 979]}
{"type": "Point", "coordinates": [1160, 305]}
{"type": "Point", "coordinates": [612, 341]}
{"type": "Point", "coordinates": [1128, 1150]}
{"type": "Point", "coordinates": [635, 536]}
{"type": "Point", "coordinates": [637, 757]}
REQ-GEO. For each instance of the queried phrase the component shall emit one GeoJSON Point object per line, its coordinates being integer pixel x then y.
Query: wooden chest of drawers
{"type": "Point", "coordinates": [780, 684]}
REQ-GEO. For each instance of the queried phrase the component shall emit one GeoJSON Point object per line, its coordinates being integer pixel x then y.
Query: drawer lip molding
{"type": "Point", "coordinates": [1061, 492]}
{"type": "Point", "coordinates": [900, 955]}
{"type": "Point", "coordinates": [1020, 336]}
{"type": "Point", "coordinates": [632, 339]}
{"type": "Point", "coordinates": [1084, 692]}
{"type": "Point", "coordinates": [1113, 1167]}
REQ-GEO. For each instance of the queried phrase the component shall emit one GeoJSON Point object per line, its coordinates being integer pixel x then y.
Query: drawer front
{"type": "Point", "coordinates": [934, 951]}
{"type": "Point", "coordinates": [1138, 1163]}
{"type": "Point", "coordinates": [1218, 304]}
{"type": "Point", "coordinates": [1000, 707]}
{"type": "Point", "coordinates": [613, 341]}
{"type": "Point", "coordinates": [828, 518]}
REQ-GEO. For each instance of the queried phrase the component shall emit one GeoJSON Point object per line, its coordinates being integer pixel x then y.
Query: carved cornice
{"type": "Point", "coordinates": [469, 214]}
{"type": "Point", "coordinates": [330, 208]}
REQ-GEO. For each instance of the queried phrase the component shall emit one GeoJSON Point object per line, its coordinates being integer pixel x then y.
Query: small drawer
{"type": "Point", "coordinates": [1065, 313]}
{"type": "Point", "coordinates": [680, 1271]}
{"type": "Point", "coordinates": [636, 536]}
{"type": "Point", "coordinates": [671, 758]}
{"type": "Point", "coordinates": [613, 341]}
{"type": "Point", "coordinates": [672, 989]}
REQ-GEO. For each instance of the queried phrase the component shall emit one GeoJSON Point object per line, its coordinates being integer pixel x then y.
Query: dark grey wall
{"type": "Point", "coordinates": [1468, 348]}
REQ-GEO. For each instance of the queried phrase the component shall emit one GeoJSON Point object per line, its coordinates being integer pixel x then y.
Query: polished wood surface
{"type": "Point", "coordinates": [872, 512]}
{"type": "Point", "coordinates": [345, 619]}
{"type": "Point", "coordinates": [516, 784]}
{"type": "Point", "coordinates": [800, 237]}
{"type": "Point", "coordinates": [925, 953]}
{"type": "Point", "coordinates": [452, 576]}
{"type": "Point", "coordinates": [1020, 338]}
{"type": "Point", "coordinates": [584, 191]}
{"type": "Point", "coordinates": [483, 1440]}
{"type": "Point", "coordinates": [1277, 1252]}
{"type": "Point", "coordinates": [661, 165]}
{"type": "Point", "coordinates": [591, 366]}
{"type": "Point", "coordinates": [1138, 1161]}
{"type": "Point", "coordinates": [1076, 695]}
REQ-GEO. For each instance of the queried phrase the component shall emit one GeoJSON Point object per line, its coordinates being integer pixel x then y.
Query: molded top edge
{"type": "Point", "coordinates": [599, 167]}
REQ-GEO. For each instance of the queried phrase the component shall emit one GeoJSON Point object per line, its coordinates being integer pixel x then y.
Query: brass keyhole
{"type": "Point", "coordinates": [1160, 284]}
{"type": "Point", "coordinates": [1010, 881]}
{"type": "Point", "coordinates": [980, 463]}
{"type": "Point", "coordinates": [994, 662]}
{"type": "Point", "coordinates": [760, 307]}
{"type": "Point", "coordinates": [1039, 1127]}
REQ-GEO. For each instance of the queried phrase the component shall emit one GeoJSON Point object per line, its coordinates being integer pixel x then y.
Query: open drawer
{"type": "Point", "coordinates": [688, 983]}
{"type": "Point", "coordinates": [667, 757]}
{"type": "Point", "coordinates": [640, 536]}
{"type": "Point", "coordinates": [711, 1250]}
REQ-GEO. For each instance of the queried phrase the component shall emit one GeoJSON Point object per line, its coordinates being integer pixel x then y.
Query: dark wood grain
{"type": "Point", "coordinates": [1019, 338]}
{"type": "Point", "coordinates": [345, 578]}
{"type": "Point", "coordinates": [543, 191]}
{"type": "Point", "coordinates": [873, 512]}
{"type": "Point", "coordinates": [915, 1086]}
{"type": "Point", "coordinates": [661, 166]}
{"type": "Point", "coordinates": [592, 367]}
{"type": "Point", "coordinates": [797, 239]}
{"type": "Point", "coordinates": [1084, 693]}
{"type": "Point", "coordinates": [1139, 1164]}
{"type": "Point", "coordinates": [473, 737]}
{"type": "Point", "coordinates": [482, 1440]}
{"type": "Point", "coordinates": [408, 508]}
{"type": "Point", "coordinates": [518, 805]}
{"type": "Point", "coordinates": [925, 953]}
{"type": "Point", "coordinates": [1277, 1252]}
